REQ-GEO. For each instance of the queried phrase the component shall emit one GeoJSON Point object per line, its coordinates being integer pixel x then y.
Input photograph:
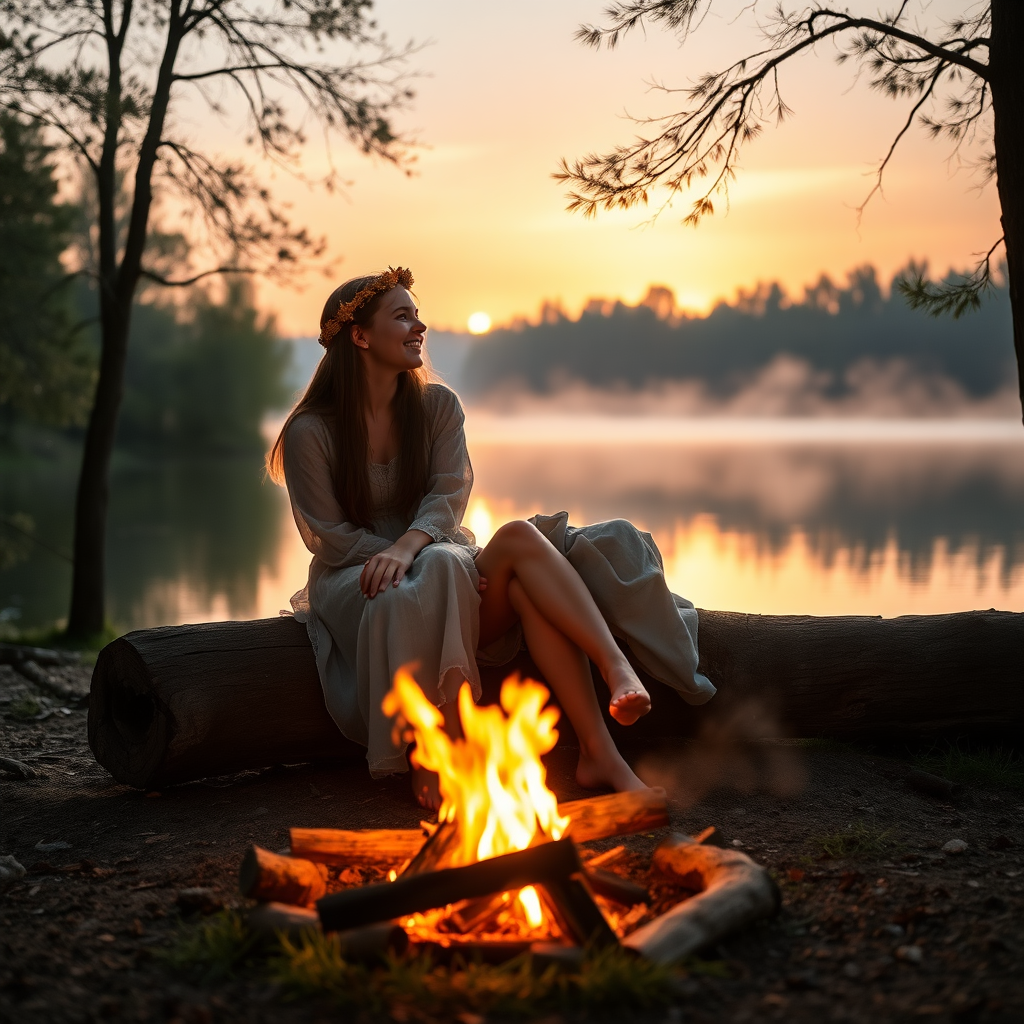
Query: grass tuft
{"type": "Point", "coordinates": [856, 841]}
{"type": "Point", "coordinates": [416, 988]}
{"type": "Point", "coordinates": [997, 767]}
{"type": "Point", "coordinates": [215, 948]}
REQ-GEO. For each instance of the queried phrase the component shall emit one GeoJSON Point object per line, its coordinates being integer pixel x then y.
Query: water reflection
{"type": "Point", "coordinates": [764, 520]}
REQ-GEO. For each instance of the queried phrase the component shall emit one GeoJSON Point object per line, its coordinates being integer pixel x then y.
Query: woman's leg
{"type": "Point", "coordinates": [567, 668]}
{"type": "Point", "coordinates": [519, 551]}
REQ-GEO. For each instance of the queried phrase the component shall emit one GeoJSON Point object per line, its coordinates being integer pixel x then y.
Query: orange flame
{"type": "Point", "coordinates": [492, 782]}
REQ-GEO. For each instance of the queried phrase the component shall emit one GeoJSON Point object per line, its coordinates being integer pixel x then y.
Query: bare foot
{"type": "Point", "coordinates": [629, 700]}
{"type": "Point", "coordinates": [425, 788]}
{"type": "Point", "coordinates": [607, 770]}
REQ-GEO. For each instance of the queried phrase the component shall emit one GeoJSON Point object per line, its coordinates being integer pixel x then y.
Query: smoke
{"type": "Point", "coordinates": [740, 751]}
{"type": "Point", "coordinates": [786, 386]}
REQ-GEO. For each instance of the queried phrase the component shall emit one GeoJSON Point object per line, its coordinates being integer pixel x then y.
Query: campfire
{"type": "Point", "coordinates": [506, 868]}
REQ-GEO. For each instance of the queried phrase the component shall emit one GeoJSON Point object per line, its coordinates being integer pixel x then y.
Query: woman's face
{"type": "Point", "coordinates": [393, 339]}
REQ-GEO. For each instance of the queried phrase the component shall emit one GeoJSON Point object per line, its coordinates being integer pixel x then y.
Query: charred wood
{"type": "Point", "coordinates": [410, 894]}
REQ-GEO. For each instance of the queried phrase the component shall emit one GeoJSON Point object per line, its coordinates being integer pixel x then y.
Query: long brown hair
{"type": "Point", "coordinates": [337, 394]}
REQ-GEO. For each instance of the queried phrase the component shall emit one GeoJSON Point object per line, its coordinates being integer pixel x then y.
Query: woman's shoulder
{"type": "Point", "coordinates": [440, 400]}
{"type": "Point", "coordinates": [306, 430]}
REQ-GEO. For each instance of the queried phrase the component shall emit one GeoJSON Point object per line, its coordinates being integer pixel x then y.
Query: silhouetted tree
{"type": "Point", "coordinates": [46, 372]}
{"type": "Point", "coordinates": [107, 79]}
{"type": "Point", "coordinates": [964, 82]}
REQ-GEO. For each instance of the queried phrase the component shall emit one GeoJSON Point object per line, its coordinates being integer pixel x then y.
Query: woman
{"type": "Point", "coordinates": [374, 458]}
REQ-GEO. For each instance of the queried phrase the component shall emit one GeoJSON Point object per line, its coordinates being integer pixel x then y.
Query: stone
{"type": "Point", "coordinates": [199, 900]}
{"type": "Point", "coordinates": [954, 846]}
{"type": "Point", "coordinates": [10, 870]}
{"type": "Point", "coordinates": [911, 954]}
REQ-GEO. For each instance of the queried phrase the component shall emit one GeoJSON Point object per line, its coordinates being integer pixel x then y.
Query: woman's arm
{"type": "Point", "coordinates": [321, 522]}
{"type": "Point", "coordinates": [439, 514]}
{"type": "Point", "coordinates": [450, 480]}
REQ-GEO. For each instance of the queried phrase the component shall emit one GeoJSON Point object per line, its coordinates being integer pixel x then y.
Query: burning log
{"type": "Point", "coordinates": [595, 817]}
{"type": "Point", "coordinates": [272, 878]}
{"type": "Point", "coordinates": [411, 894]}
{"type": "Point", "coordinates": [577, 914]}
{"type": "Point", "coordinates": [382, 847]}
{"type": "Point", "coordinates": [735, 892]}
{"type": "Point", "coordinates": [617, 814]}
{"type": "Point", "coordinates": [436, 852]}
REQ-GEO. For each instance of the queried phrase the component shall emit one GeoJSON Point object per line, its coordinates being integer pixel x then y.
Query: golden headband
{"type": "Point", "coordinates": [391, 278]}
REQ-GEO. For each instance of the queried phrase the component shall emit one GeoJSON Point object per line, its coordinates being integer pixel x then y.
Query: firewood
{"type": "Point", "coordinates": [617, 814]}
{"type": "Point", "coordinates": [382, 847]}
{"type": "Point", "coordinates": [273, 918]}
{"type": "Point", "coordinates": [436, 852]}
{"type": "Point", "coordinates": [579, 917]}
{"type": "Point", "coordinates": [490, 951]}
{"type": "Point", "coordinates": [409, 894]}
{"type": "Point", "coordinates": [595, 817]}
{"type": "Point", "coordinates": [357, 945]}
{"type": "Point", "coordinates": [178, 703]}
{"type": "Point", "coordinates": [735, 892]}
{"type": "Point", "coordinates": [270, 877]}
{"type": "Point", "coordinates": [599, 860]}
{"type": "Point", "coordinates": [615, 888]}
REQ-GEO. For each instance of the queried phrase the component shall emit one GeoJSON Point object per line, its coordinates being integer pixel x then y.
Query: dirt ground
{"type": "Point", "coordinates": [901, 931]}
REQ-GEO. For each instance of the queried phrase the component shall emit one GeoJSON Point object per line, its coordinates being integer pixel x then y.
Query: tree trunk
{"type": "Point", "coordinates": [86, 616]}
{"type": "Point", "coordinates": [183, 702]}
{"type": "Point", "coordinates": [1007, 82]}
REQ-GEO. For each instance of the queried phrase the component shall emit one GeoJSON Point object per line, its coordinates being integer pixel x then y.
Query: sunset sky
{"type": "Point", "coordinates": [505, 92]}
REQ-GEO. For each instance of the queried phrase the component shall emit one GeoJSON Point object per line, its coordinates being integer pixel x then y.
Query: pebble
{"type": "Point", "coordinates": [852, 971]}
{"type": "Point", "coordinates": [10, 870]}
{"type": "Point", "coordinates": [199, 899]}
{"type": "Point", "coordinates": [737, 842]}
{"type": "Point", "coordinates": [52, 847]}
{"type": "Point", "coordinates": [912, 954]}
{"type": "Point", "coordinates": [954, 846]}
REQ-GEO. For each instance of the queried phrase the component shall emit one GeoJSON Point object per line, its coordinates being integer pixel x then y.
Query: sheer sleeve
{"type": "Point", "coordinates": [440, 513]}
{"type": "Point", "coordinates": [321, 523]}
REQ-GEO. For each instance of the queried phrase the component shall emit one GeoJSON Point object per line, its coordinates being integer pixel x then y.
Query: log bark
{"type": "Point", "coordinates": [579, 917]}
{"type": "Point", "coordinates": [382, 847]}
{"type": "Point", "coordinates": [617, 814]}
{"type": "Point", "coordinates": [733, 893]}
{"type": "Point", "coordinates": [368, 904]}
{"type": "Point", "coordinates": [270, 877]}
{"type": "Point", "coordinates": [183, 702]}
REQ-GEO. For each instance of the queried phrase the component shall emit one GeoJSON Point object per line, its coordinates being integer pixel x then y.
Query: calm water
{"type": "Point", "coordinates": [770, 516]}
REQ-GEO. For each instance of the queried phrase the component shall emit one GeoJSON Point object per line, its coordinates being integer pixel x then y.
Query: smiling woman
{"type": "Point", "coordinates": [375, 460]}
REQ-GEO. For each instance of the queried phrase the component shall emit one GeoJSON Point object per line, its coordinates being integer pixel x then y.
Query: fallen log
{"type": "Point", "coordinates": [270, 877]}
{"type": "Point", "coordinates": [368, 904]}
{"type": "Point", "coordinates": [381, 847]}
{"type": "Point", "coordinates": [733, 892]}
{"type": "Point", "coordinates": [182, 702]}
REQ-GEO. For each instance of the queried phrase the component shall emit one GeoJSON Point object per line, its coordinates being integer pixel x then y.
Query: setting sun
{"type": "Point", "coordinates": [478, 323]}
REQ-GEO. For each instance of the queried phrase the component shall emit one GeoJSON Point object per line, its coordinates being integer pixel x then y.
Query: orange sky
{"type": "Point", "coordinates": [506, 92]}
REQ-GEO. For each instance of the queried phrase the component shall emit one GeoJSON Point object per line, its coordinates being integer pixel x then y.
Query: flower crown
{"type": "Point", "coordinates": [391, 277]}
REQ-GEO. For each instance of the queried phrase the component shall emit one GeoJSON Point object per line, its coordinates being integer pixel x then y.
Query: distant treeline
{"type": "Point", "coordinates": [833, 329]}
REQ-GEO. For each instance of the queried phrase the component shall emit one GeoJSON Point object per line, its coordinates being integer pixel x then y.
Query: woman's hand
{"type": "Point", "coordinates": [390, 566]}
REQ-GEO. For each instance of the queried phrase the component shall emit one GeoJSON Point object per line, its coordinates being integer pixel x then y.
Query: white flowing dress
{"type": "Point", "coordinates": [432, 618]}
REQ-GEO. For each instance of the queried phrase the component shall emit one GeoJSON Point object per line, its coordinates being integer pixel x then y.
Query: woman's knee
{"type": "Point", "coordinates": [519, 537]}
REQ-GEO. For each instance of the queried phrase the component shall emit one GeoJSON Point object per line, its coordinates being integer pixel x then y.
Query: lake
{"type": "Point", "coordinates": [773, 516]}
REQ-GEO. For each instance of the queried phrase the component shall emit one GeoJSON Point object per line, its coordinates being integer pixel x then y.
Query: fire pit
{"type": "Point", "coordinates": [506, 868]}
